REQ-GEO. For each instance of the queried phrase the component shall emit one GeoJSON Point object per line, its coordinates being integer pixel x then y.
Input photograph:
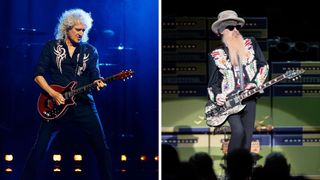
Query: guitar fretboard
{"type": "Point", "coordinates": [261, 87]}
{"type": "Point", "coordinates": [85, 88]}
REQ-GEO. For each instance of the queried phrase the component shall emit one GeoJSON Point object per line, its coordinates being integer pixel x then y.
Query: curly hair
{"type": "Point", "coordinates": [69, 18]}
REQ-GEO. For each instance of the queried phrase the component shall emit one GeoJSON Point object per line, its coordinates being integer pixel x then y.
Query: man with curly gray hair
{"type": "Point", "coordinates": [69, 61]}
{"type": "Point", "coordinates": [71, 17]}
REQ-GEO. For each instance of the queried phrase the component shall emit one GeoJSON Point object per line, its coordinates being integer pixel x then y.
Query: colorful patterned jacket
{"type": "Point", "coordinates": [221, 74]}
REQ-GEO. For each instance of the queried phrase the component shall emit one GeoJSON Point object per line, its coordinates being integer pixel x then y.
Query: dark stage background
{"type": "Point", "coordinates": [126, 36]}
{"type": "Point", "coordinates": [297, 21]}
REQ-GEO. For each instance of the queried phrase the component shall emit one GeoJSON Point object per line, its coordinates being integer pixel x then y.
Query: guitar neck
{"type": "Point", "coordinates": [262, 87]}
{"type": "Point", "coordinates": [88, 87]}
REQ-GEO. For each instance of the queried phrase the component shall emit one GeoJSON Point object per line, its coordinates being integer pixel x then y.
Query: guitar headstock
{"type": "Point", "coordinates": [124, 74]}
{"type": "Point", "coordinates": [294, 74]}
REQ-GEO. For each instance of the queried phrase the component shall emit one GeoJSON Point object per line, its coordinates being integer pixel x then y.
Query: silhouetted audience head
{"type": "Point", "coordinates": [258, 173]}
{"type": "Point", "coordinates": [170, 161]}
{"type": "Point", "coordinates": [276, 166]}
{"type": "Point", "coordinates": [187, 172]}
{"type": "Point", "coordinates": [239, 164]}
{"type": "Point", "coordinates": [203, 164]}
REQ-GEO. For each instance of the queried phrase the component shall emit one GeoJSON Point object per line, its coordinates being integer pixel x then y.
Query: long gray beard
{"type": "Point", "coordinates": [236, 48]}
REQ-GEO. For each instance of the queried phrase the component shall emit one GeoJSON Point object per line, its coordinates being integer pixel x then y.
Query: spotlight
{"type": "Point", "coordinates": [56, 166]}
{"type": "Point", "coordinates": [56, 170]}
{"type": "Point", "coordinates": [156, 158]}
{"type": "Point", "coordinates": [77, 167]}
{"type": "Point", "coordinates": [123, 157]}
{"type": "Point", "coordinates": [8, 157]}
{"type": "Point", "coordinates": [8, 170]}
{"type": "Point", "coordinates": [143, 157]}
{"type": "Point", "coordinates": [124, 163]}
{"type": "Point", "coordinates": [77, 157]}
{"type": "Point", "coordinates": [120, 47]}
{"type": "Point", "coordinates": [56, 157]}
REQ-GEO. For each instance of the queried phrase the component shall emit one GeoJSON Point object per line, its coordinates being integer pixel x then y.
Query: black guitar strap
{"type": "Point", "coordinates": [241, 74]}
{"type": "Point", "coordinates": [80, 57]}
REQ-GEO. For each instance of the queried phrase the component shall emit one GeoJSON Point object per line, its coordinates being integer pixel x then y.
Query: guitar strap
{"type": "Point", "coordinates": [241, 73]}
{"type": "Point", "coordinates": [80, 58]}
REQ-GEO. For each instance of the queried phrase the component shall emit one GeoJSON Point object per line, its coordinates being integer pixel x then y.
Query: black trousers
{"type": "Point", "coordinates": [242, 126]}
{"type": "Point", "coordinates": [87, 119]}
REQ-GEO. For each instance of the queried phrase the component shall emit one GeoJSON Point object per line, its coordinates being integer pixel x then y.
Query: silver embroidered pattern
{"type": "Point", "coordinates": [84, 64]}
{"type": "Point", "coordinates": [60, 53]}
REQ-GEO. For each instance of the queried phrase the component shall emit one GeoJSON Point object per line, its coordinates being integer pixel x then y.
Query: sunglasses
{"type": "Point", "coordinates": [231, 28]}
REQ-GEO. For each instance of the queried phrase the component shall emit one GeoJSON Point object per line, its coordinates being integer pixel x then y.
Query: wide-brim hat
{"type": "Point", "coordinates": [224, 16]}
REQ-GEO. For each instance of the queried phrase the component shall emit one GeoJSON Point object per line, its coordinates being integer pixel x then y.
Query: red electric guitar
{"type": "Point", "coordinates": [49, 110]}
